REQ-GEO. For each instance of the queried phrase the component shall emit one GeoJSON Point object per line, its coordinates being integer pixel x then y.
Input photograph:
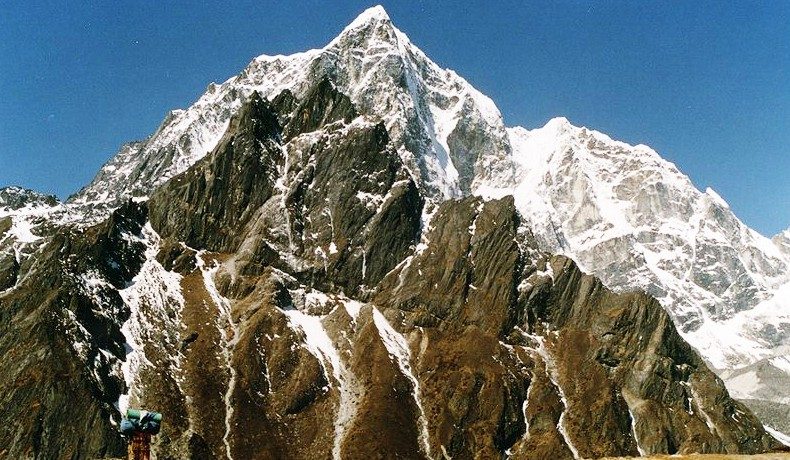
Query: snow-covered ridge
{"type": "Point", "coordinates": [633, 219]}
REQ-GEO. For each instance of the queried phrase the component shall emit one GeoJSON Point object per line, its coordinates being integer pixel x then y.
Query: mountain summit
{"type": "Point", "coordinates": [435, 118]}
{"type": "Point", "coordinates": [345, 253]}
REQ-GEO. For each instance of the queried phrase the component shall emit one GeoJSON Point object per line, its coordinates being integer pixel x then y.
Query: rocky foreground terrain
{"type": "Point", "coordinates": [297, 267]}
{"type": "Point", "coordinates": [773, 456]}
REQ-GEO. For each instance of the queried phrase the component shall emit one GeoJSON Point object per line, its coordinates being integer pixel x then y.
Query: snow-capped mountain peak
{"type": "Point", "coordinates": [388, 79]}
{"type": "Point", "coordinates": [375, 16]}
{"type": "Point", "coordinates": [558, 123]}
{"type": "Point", "coordinates": [374, 13]}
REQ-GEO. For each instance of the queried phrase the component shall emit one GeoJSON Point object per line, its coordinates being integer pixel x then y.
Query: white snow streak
{"type": "Point", "coordinates": [708, 421]}
{"type": "Point", "coordinates": [642, 452]}
{"type": "Point", "coordinates": [551, 373]}
{"type": "Point", "coordinates": [229, 343]}
{"type": "Point", "coordinates": [316, 341]}
{"type": "Point", "coordinates": [778, 435]}
{"type": "Point", "coordinates": [398, 348]}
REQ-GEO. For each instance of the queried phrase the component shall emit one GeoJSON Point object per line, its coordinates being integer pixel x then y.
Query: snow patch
{"type": "Point", "coordinates": [778, 435]}
{"type": "Point", "coordinates": [316, 340]}
{"type": "Point", "coordinates": [320, 345]}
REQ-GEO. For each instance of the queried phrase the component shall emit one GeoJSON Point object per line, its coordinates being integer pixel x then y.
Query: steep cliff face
{"type": "Point", "coordinates": [589, 372]}
{"type": "Point", "coordinates": [281, 298]}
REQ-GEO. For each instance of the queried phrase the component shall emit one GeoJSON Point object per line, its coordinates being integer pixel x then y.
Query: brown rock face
{"type": "Point", "coordinates": [607, 372]}
{"type": "Point", "coordinates": [59, 336]}
{"type": "Point", "coordinates": [278, 300]}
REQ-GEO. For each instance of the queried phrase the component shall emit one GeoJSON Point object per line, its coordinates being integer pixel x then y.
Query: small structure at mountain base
{"type": "Point", "coordinates": [139, 425]}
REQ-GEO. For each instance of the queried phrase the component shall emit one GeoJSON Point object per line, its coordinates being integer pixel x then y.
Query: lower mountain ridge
{"type": "Point", "coordinates": [293, 295]}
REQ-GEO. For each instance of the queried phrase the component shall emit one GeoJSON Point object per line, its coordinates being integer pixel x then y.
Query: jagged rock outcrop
{"type": "Point", "coordinates": [9, 270]}
{"type": "Point", "coordinates": [210, 203]}
{"type": "Point", "coordinates": [338, 199]}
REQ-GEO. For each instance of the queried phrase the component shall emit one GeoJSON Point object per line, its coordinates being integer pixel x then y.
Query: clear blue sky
{"type": "Point", "coordinates": [707, 84]}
